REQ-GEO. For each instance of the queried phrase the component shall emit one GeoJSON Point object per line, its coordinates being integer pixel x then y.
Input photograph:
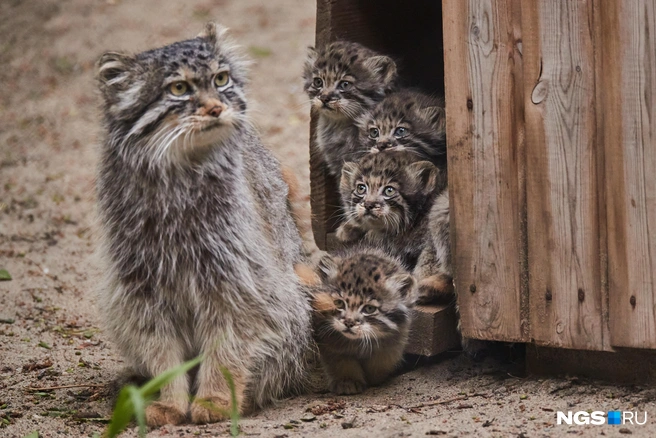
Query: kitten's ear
{"type": "Point", "coordinates": [213, 32]}
{"type": "Point", "coordinates": [423, 175]}
{"type": "Point", "coordinates": [404, 283]}
{"type": "Point", "coordinates": [312, 55]}
{"type": "Point", "coordinates": [434, 116]}
{"type": "Point", "coordinates": [114, 69]}
{"type": "Point", "coordinates": [327, 267]}
{"type": "Point", "coordinates": [349, 171]}
{"type": "Point", "coordinates": [384, 67]}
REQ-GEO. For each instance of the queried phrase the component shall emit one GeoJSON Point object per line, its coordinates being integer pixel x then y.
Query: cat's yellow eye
{"type": "Point", "coordinates": [400, 132]}
{"type": "Point", "coordinates": [360, 189]}
{"type": "Point", "coordinates": [389, 191]}
{"type": "Point", "coordinates": [317, 82]}
{"type": "Point", "coordinates": [340, 304]}
{"type": "Point", "coordinates": [373, 133]}
{"type": "Point", "coordinates": [178, 88]}
{"type": "Point", "coordinates": [222, 79]}
{"type": "Point", "coordinates": [369, 309]}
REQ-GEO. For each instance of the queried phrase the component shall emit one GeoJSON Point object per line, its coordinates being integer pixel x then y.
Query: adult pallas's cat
{"type": "Point", "coordinates": [198, 241]}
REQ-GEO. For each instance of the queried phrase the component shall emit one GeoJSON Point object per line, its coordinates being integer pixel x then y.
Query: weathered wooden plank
{"type": "Point", "coordinates": [563, 210]}
{"type": "Point", "coordinates": [631, 180]}
{"type": "Point", "coordinates": [433, 330]}
{"type": "Point", "coordinates": [483, 82]}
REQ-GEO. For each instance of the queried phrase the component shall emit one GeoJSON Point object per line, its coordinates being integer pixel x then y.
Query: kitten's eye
{"type": "Point", "coordinates": [400, 132]}
{"type": "Point", "coordinates": [344, 85]}
{"type": "Point", "coordinates": [389, 191]}
{"type": "Point", "coordinates": [369, 309]}
{"type": "Point", "coordinates": [340, 304]}
{"type": "Point", "coordinates": [373, 133]}
{"type": "Point", "coordinates": [178, 88]}
{"type": "Point", "coordinates": [222, 79]}
{"type": "Point", "coordinates": [360, 189]}
{"type": "Point", "coordinates": [317, 82]}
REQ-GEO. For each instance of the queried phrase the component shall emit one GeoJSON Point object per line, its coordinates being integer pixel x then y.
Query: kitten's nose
{"type": "Point", "coordinates": [349, 323]}
{"type": "Point", "coordinates": [382, 145]}
{"type": "Point", "coordinates": [327, 98]}
{"type": "Point", "coordinates": [370, 205]}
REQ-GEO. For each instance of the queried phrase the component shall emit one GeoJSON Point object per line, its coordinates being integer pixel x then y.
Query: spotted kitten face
{"type": "Point", "coordinates": [343, 79]}
{"type": "Point", "coordinates": [405, 120]}
{"type": "Point", "coordinates": [170, 103]}
{"type": "Point", "coordinates": [364, 297]}
{"type": "Point", "coordinates": [381, 191]}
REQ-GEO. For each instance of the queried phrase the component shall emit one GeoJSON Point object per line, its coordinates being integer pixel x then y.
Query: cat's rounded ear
{"type": "Point", "coordinates": [312, 55]}
{"type": "Point", "coordinates": [213, 32]}
{"type": "Point", "coordinates": [435, 116]}
{"type": "Point", "coordinates": [327, 267]}
{"type": "Point", "coordinates": [405, 284]}
{"type": "Point", "coordinates": [349, 171]}
{"type": "Point", "coordinates": [384, 67]}
{"type": "Point", "coordinates": [424, 176]}
{"type": "Point", "coordinates": [114, 69]}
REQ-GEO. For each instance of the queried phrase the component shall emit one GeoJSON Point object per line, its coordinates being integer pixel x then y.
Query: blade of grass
{"type": "Point", "coordinates": [123, 411]}
{"type": "Point", "coordinates": [132, 401]}
{"type": "Point", "coordinates": [234, 410]}
{"type": "Point", "coordinates": [151, 387]}
{"type": "Point", "coordinates": [139, 407]}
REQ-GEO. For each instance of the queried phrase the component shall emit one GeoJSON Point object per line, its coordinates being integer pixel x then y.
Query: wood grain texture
{"type": "Point", "coordinates": [631, 180]}
{"type": "Point", "coordinates": [433, 330]}
{"type": "Point", "coordinates": [483, 79]}
{"type": "Point", "coordinates": [563, 210]}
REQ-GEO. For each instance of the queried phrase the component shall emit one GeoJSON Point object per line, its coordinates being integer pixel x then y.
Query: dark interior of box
{"type": "Point", "coordinates": [409, 31]}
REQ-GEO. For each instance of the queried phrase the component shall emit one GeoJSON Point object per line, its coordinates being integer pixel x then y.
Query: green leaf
{"type": "Point", "coordinates": [151, 387]}
{"type": "Point", "coordinates": [139, 407]}
{"type": "Point", "coordinates": [132, 401]}
{"type": "Point", "coordinates": [234, 411]}
{"type": "Point", "coordinates": [5, 276]}
{"type": "Point", "coordinates": [34, 434]}
{"type": "Point", "coordinates": [122, 415]}
{"type": "Point", "coordinates": [44, 345]}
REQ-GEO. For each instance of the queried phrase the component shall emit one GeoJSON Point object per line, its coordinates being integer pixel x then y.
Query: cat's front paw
{"type": "Point", "coordinates": [348, 233]}
{"type": "Point", "coordinates": [347, 387]}
{"type": "Point", "coordinates": [209, 410]}
{"type": "Point", "coordinates": [161, 413]}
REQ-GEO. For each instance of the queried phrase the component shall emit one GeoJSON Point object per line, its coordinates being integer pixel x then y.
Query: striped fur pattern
{"type": "Point", "coordinates": [362, 317]}
{"type": "Point", "coordinates": [386, 198]}
{"type": "Point", "coordinates": [406, 120]}
{"type": "Point", "coordinates": [198, 241]}
{"type": "Point", "coordinates": [343, 80]}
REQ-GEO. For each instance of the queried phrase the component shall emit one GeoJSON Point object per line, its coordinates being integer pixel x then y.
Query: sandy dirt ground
{"type": "Point", "coordinates": [50, 334]}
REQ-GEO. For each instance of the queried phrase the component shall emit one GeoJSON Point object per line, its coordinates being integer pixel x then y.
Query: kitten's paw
{"type": "Point", "coordinates": [435, 289]}
{"type": "Point", "coordinates": [161, 413]}
{"type": "Point", "coordinates": [348, 233]}
{"type": "Point", "coordinates": [347, 387]}
{"type": "Point", "coordinates": [210, 410]}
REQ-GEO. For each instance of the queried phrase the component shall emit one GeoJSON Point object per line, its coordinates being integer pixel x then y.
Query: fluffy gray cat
{"type": "Point", "coordinates": [198, 241]}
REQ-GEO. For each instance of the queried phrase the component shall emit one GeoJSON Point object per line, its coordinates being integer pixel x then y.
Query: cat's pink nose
{"type": "Point", "coordinates": [215, 111]}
